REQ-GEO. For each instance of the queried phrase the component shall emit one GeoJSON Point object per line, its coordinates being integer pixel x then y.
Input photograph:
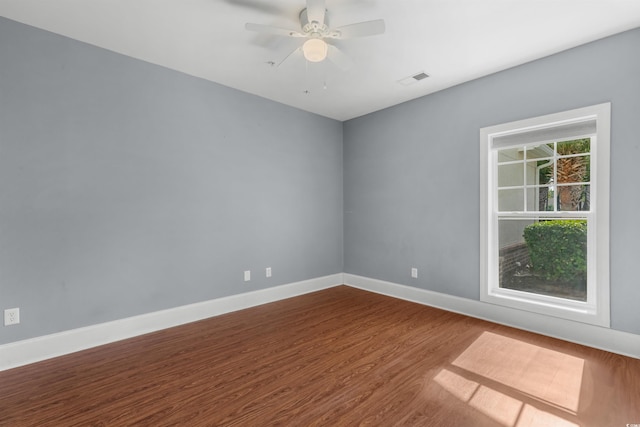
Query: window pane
{"type": "Point", "coordinates": [511, 200]}
{"type": "Point", "coordinates": [574, 147]}
{"type": "Point", "coordinates": [509, 154]}
{"type": "Point", "coordinates": [539, 172]}
{"type": "Point", "coordinates": [540, 199]}
{"type": "Point", "coordinates": [574, 169]}
{"type": "Point", "coordinates": [573, 198]}
{"type": "Point", "coordinates": [546, 172]}
{"type": "Point", "coordinates": [540, 151]}
{"type": "Point", "coordinates": [544, 257]}
{"type": "Point", "coordinates": [510, 175]}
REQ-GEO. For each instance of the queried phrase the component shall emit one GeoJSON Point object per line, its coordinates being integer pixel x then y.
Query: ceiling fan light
{"type": "Point", "coordinates": [315, 50]}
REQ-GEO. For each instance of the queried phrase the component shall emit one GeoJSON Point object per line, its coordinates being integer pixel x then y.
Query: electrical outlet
{"type": "Point", "coordinates": [414, 273]}
{"type": "Point", "coordinates": [247, 275]}
{"type": "Point", "coordinates": [11, 316]}
{"type": "Point", "coordinates": [267, 272]}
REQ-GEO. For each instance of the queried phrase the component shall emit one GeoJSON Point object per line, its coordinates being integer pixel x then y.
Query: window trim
{"type": "Point", "coordinates": [596, 309]}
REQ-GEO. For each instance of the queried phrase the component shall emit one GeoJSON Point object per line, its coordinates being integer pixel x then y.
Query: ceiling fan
{"type": "Point", "coordinates": [314, 26]}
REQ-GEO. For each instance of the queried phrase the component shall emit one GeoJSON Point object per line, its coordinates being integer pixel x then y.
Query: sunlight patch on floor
{"type": "Point", "coordinates": [545, 374]}
{"type": "Point", "coordinates": [533, 417]}
{"type": "Point", "coordinates": [457, 385]}
{"type": "Point", "coordinates": [516, 383]}
{"type": "Point", "coordinates": [502, 408]}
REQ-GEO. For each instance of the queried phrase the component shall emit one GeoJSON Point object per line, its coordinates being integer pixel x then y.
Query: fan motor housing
{"type": "Point", "coordinates": [320, 28]}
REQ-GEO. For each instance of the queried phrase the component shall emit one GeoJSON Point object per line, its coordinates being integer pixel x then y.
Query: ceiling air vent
{"type": "Point", "coordinates": [413, 79]}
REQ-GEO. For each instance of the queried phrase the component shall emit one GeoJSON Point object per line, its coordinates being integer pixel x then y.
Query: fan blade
{"type": "Point", "coordinates": [297, 52]}
{"type": "Point", "coordinates": [336, 56]}
{"type": "Point", "coordinates": [262, 6]}
{"type": "Point", "coordinates": [259, 28]}
{"type": "Point", "coordinates": [361, 29]}
{"type": "Point", "coordinates": [315, 11]}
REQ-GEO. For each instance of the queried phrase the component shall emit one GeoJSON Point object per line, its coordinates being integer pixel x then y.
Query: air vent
{"type": "Point", "coordinates": [413, 79]}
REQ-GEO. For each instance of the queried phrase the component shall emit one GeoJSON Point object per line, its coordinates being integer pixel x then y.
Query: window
{"type": "Point", "coordinates": [545, 214]}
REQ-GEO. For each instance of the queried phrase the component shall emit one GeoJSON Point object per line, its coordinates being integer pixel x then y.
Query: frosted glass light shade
{"type": "Point", "coordinates": [315, 50]}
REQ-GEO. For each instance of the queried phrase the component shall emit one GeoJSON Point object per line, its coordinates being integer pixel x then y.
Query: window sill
{"type": "Point", "coordinates": [577, 311]}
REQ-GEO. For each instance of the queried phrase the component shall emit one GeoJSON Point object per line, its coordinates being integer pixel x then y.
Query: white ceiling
{"type": "Point", "coordinates": [451, 40]}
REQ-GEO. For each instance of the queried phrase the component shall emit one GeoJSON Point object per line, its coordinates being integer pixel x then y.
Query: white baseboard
{"type": "Point", "coordinates": [32, 350]}
{"type": "Point", "coordinates": [581, 333]}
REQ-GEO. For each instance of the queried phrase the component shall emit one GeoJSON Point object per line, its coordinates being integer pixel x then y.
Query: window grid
{"type": "Point", "coordinates": [552, 161]}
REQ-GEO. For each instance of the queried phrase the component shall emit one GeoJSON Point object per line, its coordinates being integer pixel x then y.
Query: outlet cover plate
{"type": "Point", "coordinates": [11, 316]}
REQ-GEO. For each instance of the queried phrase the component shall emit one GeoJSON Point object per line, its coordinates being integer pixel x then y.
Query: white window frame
{"type": "Point", "coordinates": [595, 310]}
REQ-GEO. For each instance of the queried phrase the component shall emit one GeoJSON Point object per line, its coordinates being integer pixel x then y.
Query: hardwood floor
{"type": "Point", "coordinates": [338, 357]}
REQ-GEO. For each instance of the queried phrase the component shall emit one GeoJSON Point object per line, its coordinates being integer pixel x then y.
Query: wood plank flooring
{"type": "Point", "coordinates": [338, 357]}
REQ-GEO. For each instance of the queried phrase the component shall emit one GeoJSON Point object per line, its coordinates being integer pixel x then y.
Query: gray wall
{"type": "Point", "coordinates": [126, 188]}
{"type": "Point", "coordinates": [411, 172]}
